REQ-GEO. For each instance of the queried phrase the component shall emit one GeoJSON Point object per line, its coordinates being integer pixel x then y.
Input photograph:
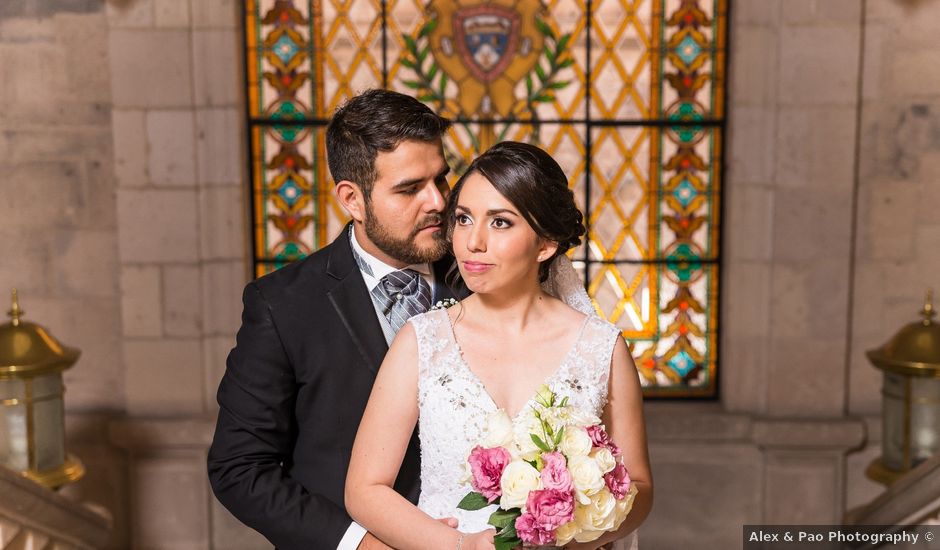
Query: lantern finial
{"type": "Point", "coordinates": [15, 312]}
{"type": "Point", "coordinates": [928, 312]}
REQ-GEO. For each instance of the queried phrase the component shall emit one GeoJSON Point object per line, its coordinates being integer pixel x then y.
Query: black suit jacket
{"type": "Point", "coordinates": [293, 393]}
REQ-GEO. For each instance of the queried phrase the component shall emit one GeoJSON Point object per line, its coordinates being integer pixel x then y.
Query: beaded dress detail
{"type": "Point", "coordinates": [453, 406]}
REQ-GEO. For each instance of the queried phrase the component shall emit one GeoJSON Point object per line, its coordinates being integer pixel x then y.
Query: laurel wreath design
{"type": "Point", "coordinates": [430, 83]}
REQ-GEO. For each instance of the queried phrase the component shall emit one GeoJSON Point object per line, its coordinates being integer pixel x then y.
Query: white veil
{"type": "Point", "coordinates": [565, 284]}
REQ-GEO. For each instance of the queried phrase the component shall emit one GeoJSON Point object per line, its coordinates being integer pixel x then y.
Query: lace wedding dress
{"type": "Point", "coordinates": [453, 405]}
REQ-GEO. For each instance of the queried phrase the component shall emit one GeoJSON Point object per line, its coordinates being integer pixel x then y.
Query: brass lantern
{"type": "Point", "coordinates": [910, 362]}
{"type": "Point", "coordinates": [32, 415]}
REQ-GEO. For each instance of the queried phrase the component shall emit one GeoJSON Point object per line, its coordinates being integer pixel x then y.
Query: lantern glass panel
{"type": "Point", "coordinates": [12, 389]}
{"type": "Point", "coordinates": [14, 449]}
{"type": "Point", "coordinates": [48, 422]}
{"type": "Point", "coordinates": [893, 407]}
{"type": "Point", "coordinates": [925, 419]}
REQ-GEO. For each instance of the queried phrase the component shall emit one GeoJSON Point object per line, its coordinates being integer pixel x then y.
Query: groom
{"type": "Point", "coordinates": [314, 333]}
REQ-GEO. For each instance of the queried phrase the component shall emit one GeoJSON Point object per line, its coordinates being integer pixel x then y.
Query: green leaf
{"type": "Point", "coordinates": [509, 531]}
{"type": "Point", "coordinates": [427, 97]}
{"type": "Point", "coordinates": [428, 28]}
{"type": "Point", "coordinates": [473, 501]}
{"type": "Point", "coordinates": [528, 84]}
{"type": "Point", "coordinates": [501, 518]}
{"type": "Point", "coordinates": [410, 44]}
{"type": "Point", "coordinates": [565, 63]}
{"type": "Point", "coordinates": [540, 72]}
{"type": "Point", "coordinates": [544, 99]}
{"type": "Point", "coordinates": [559, 435]}
{"type": "Point", "coordinates": [507, 544]}
{"type": "Point", "coordinates": [408, 63]}
{"type": "Point", "coordinates": [423, 54]}
{"type": "Point", "coordinates": [502, 133]}
{"type": "Point", "coordinates": [414, 85]}
{"type": "Point", "coordinates": [550, 55]}
{"type": "Point", "coordinates": [545, 29]}
{"type": "Point", "coordinates": [540, 444]}
{"type": "Point", "coordinates": [563, 43]}
{"type": "Point", "coordinates": [442, 85]}
{"type": "Point", "coordinates": [564, 402]}
{"type": "Point", "coordinates": [433, 72]}
{"type": "Point", "coordinates": [474, 140]}
{"type": "Point", "coordinates": [558, 85]}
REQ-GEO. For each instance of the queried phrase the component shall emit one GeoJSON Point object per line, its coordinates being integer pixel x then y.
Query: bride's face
{"type": "Point", "coordinates": [496, 249]}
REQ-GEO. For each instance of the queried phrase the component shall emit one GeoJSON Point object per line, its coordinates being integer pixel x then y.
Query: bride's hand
{"type": "Point", "coordinates": [479, 541]}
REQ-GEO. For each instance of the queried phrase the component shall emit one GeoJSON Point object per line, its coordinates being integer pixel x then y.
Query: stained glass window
{"type": "Point", "coordinates": [628, 95]}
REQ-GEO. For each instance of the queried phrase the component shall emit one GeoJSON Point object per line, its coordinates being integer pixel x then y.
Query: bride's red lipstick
{"type": "Point", "coordinates": [476, 267]}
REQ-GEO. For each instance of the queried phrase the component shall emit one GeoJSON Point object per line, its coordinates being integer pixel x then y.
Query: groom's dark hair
{"type": "Point", "coordinates": [532, 181]}
{"type": "Point", "coordinates": [376, 120]}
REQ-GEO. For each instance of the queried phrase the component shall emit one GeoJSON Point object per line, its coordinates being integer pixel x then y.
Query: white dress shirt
{"type": "Point", "coordinates": [356, 532]}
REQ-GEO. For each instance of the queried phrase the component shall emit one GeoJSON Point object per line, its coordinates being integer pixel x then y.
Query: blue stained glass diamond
{"type": "Point", "coordinates": [682, 363]}
{"type": "Point", "coordinates": [685, 192]}
{"type": "Point", "coordinates": [290, 192]}
{"type": "Point", "coordinates": [285, 49]}
{"type": "Point", "coordinates": [688, 50]}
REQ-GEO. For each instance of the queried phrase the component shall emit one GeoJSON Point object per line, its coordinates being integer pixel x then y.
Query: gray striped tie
{"type": "Point", "coordinates": [402, 294]}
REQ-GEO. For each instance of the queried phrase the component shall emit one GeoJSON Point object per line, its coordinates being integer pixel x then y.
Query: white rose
{"type": "Point", "coordinates": [604, 458]}
{"type": "Point", "coordinates": [624, 506]}
{"type": "Point", "coordinates": [581, 417]}
{"type": "Point", "coordinates": [586, 477]}
{"type": "Point", "coordinates": [568, 416]}
{"type": "Point", "coordinates": [518, 479]}
{"type": "Point", "coordinates": [544, 396]}
{"type": "Point", "coordinates": [498, 430]}
{"type": "Point", "coordinates": [566, 532]}
{"type": "Point", "coordinates": [527, 425]}
{"type": "Point", "coordinates": [555, 416]}
{"type": "Point", "coordinates": [597, 517]}
{"type": "Point", "coordinates": [575, 442]}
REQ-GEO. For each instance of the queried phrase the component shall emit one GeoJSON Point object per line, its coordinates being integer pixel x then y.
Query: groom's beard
{"type": "Point", "coordinates": [406, 250]}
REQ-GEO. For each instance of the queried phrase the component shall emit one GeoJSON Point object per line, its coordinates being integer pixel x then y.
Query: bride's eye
{"type": "Point", "coordinates": [463, 219]}
{"type": "Point", "coordinates": [501, 223]}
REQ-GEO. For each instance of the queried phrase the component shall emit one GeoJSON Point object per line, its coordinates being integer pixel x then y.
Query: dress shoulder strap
{"type": "Point", "coordinates": [589, 370]}
{"type": "Point", "coordinates": [432, 329]}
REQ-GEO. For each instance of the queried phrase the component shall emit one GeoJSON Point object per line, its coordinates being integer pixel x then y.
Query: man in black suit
{"type": "Point", "coordinates": [314, 333]}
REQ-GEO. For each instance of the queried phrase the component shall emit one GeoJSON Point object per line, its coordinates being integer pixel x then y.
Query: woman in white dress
{"type": "Point", "coordinates": [512, 218]}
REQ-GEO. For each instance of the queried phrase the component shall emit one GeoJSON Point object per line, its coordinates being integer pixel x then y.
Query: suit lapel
{"type": "Point", "coordinates": [353, 304]}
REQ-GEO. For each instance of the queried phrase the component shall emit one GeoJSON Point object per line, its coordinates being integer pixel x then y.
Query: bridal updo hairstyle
{"type": "Point", "coordinates": [532, 181]}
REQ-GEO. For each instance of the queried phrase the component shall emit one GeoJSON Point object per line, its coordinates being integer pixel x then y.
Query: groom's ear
{"type": "Point", "coordinates": [547, 249]}
{"type": "Point", "coordinates": [350, 197]}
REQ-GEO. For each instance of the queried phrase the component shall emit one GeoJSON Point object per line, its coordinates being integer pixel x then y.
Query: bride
{"type": "Point", "coordinates": [511, 219]}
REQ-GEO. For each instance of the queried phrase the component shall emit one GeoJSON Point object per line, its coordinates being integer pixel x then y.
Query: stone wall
{"type": "Point", "coordinates": [897, 252]}
{"type": "Point", "coordinates": [122, 222]}
{"type": "Point", "coordinates": [181, 202]}
{"type": "Point", "coordinates": [122, 225]}
{"type": "Point", "coordinates": [58, 221]}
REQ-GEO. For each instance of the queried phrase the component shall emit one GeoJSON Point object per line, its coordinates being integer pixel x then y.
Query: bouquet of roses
{"type": "Point", "coordinates": [555, 475]}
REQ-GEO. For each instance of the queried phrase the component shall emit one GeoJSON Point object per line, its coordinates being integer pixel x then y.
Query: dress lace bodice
{"type": "Point", "coordinates": [453, 405]}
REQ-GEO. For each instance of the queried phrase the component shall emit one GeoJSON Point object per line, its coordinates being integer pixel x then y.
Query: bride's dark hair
{"type": "Point", "coordinates": [532, 181]}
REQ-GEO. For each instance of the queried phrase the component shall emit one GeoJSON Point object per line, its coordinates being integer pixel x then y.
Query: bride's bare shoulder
{"type": "Point", "coordinates": [564, 315]}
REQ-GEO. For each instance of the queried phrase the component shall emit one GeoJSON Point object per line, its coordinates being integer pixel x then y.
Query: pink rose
{"type": "Point", "coordinates": [555, 474]}
{"type": "Point", "coordinates": [487, 467]}
{"type": "Point", "coordinates": [599, 438]}
{"type": "Point", "coordinates": [531, 532]}
{"type": "Point", "coordinates": [550, 508]}
{"type": "Point", "coordinates": [618, 481]}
